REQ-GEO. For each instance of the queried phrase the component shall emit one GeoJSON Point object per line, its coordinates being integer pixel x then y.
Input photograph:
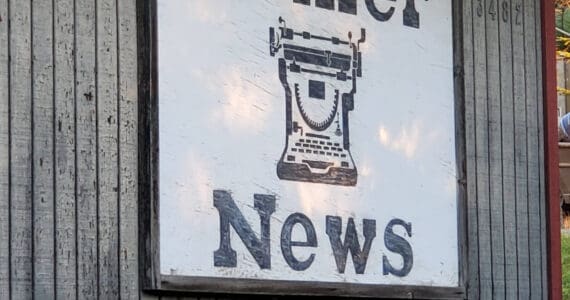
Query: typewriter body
{"type": "Point", "coordinates": [318, 74]}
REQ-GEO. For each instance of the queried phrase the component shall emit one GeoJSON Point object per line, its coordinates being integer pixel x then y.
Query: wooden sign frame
{"type": "Point", "coordinates": [153, 281]}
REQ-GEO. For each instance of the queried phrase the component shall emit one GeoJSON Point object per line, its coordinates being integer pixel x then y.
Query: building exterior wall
{"type": "Point", "coordinates": [505, 153]}
{"type": "Point", "coordinates": [68, 150]}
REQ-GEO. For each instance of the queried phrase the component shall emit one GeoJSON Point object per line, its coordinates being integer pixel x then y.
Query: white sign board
{"type": "Point", "coordinates": [308, 141]}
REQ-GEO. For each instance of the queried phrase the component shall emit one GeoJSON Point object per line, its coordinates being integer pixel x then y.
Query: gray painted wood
{"type": "Point", "coordinates": [21, 174]}
{"type": "Point", "coordinates": [506, 25]}
{"type": "Point", "coordinates": [495, 136]}
{"type": "Point", "coordinates": [65, 159]}
{"type": "Point", "coordinates": [521, 156]}
{"type": "Point", "coordinates": [107, 150]}
{"type": "Point", "coordinates": [68, 151]}
{"type": "Point", "coordinates": [521, 146]}
{"type": "Point", "coordinates": [482, 150]}
{"type": "Point", "coordinates": [542, 179]}
{"type": "Point", "coordinates": [460, 143]}
{"type": "Point", "coordinates": [86, 99]}
{"type": "Point", "coordinates": [542, 196]}
{"type": "Point", "coordinates": [469, 94]}
{"type": "Point", "coordinates": [43, 150]}
{"type": "Point", "coordinates": [532, 150]}
{"type": "Point", "coordinates": [128, 158]}
{"type": "Point", "coordinates": [506, 227]}
{"type": "Point", "coordinates": [4, 153]}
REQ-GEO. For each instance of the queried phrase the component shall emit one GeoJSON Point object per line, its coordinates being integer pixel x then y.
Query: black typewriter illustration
{"type": "Point", "coordinates": [319, 75]}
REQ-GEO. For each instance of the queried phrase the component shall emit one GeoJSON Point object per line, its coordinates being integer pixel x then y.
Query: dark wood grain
{"type": "Point", "coordinates": [296, 288]}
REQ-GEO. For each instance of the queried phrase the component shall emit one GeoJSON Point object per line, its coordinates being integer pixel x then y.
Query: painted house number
{"type": "Point", "coordinates": [505, 9]}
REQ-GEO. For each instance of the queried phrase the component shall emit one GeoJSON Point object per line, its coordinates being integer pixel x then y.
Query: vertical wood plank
{"type": "Point", "coordinates": [538, 259]}
{"type": "Point", "coordinates": [494, 109]}
{"type": "Point", "coordinates": [65, 206]}
{"type": "Point", "coordinates": [532, 150]}
{"type": "Point", "coordinates": [4, 153]}
{"type": "Point", "coordinates": [107, 114]}
{"type": "Point", "coordinates": [521, 156]}
{"type": "Point", "coordinates": [147, 120]}
{"type": "Point", "coordinates": [541, 162]}
{"type": "Point", "coordinates": [519, 118]}
{"type": "Point", "coordinates": [460, 141]}
{"type": "Point", "coordinates": [506, 19]}
{"type": "Point", "coordinates": [21, 150]}
{"type": "Point", "coordinates": [482, 150]}
{"type": "Point", "coordinates": [86, 152]}
{"type": "Point", "coordinates": [43, 155]}
{"type": "Point", "coordinates": [128, 157]}
{"type": "Point", "coordinates": [469, 90]}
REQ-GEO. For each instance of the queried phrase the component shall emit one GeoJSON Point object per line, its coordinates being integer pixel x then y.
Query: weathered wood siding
{"type": "Point", "coordinates": [68, 150]}
{"type": "Point", "coordinates": [505, 156]}
{"type": "Point", "coordinates": [68, 157]}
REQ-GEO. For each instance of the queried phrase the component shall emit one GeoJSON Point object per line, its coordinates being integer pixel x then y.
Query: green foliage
{"type": "Point", "coordinates": [565, 266]}
{"type": "Point", "coordinates": [562, 23]}
{"type": "Point", "coordinates": [563, 19]}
